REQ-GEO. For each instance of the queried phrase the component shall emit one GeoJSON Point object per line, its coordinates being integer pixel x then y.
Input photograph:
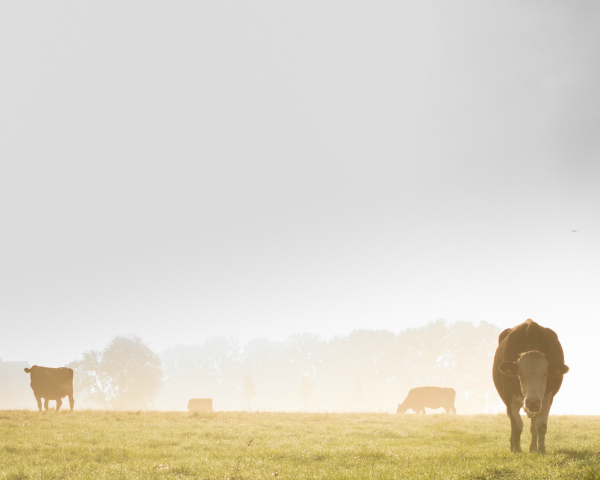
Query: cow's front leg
{"type": "Point", "coordinates": [534, 435]}
{"type": "Point", "coordinates": [46, 403]}
{"type": "Point", "coordinates": [39, 402]}
{"type": "Point", "coordinates": [58, 404]}
{"type": "Point", "coordinates": [539, 425]}
{"type": "Point", "coordinates": [516, 423]}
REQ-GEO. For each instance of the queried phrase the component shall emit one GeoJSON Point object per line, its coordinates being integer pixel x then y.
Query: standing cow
{"type": "Point", "coordinates": [430, 397]}
{"type": "Point", "coordinates": [200, 405]}
{"type": "Point", "coordinates": [51, 384]}
{"type": "Point", "coordinates": [528, 371]}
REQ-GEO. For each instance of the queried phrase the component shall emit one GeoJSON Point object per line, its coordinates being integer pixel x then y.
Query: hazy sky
{"type": "Point", "coordinates": [181, 170]}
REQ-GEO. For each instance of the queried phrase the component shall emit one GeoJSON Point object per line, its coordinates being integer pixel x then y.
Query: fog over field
{"type": "Point", "coordinates": [299, 200]}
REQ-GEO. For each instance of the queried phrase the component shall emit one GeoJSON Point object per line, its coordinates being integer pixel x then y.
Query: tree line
{"type": "Point", "coordinates": [365, 370]}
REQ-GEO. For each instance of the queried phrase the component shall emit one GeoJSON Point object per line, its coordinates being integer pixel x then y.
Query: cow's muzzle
{"type": "Point", "coordinates": [533, 405]}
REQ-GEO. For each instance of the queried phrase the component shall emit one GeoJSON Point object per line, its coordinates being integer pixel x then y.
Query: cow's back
{"type": "Point", "coordinates": [200, 405]}
{"type": "Point", "coordinates": [51, 383]}
{"type": "Point", "coordinates": [431, 397]}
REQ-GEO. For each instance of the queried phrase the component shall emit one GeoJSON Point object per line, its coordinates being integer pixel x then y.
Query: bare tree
{"type": "Point", "coordinates": [91, 379]}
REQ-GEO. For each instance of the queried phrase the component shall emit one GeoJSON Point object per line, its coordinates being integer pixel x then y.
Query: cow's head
{"type": "Point", "coordinates": [533, 369]}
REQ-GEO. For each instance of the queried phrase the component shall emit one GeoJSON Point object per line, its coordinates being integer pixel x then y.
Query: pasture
{"type": "Point", "coordinates": [242, 445]}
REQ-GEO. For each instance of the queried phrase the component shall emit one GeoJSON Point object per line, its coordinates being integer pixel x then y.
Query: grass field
{"type": "Point", "coordinates": [241, 445]}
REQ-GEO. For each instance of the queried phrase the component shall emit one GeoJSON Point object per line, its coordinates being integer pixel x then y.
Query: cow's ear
{"type": "Point", "coordinates": [557, 369]}
{"type": "Point", "coordinates": [510, 369]}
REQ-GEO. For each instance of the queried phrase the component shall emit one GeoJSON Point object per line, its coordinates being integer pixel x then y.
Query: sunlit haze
{"type": "Point", "coordinates": [181, 171]}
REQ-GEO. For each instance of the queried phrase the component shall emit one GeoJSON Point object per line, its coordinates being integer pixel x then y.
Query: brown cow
{"type": "Point", "coordinates": [430, 397]}
{"type": "Point", "coordinates": [200, 405]}
{"type": "Point", "coordinates": [51, 384]}
{"type": "Point", "coordinates": [528, 371]}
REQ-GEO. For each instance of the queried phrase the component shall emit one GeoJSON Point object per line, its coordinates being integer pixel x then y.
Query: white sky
{"type": "Point", "coordinates": [180, 170]}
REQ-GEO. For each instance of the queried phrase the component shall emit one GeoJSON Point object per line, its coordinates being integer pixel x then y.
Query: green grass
{"type": "Point", "coordinates": [238, 445]}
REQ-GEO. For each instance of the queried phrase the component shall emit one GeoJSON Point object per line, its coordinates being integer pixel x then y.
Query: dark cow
{"type": "Point", "coordinates": [528, 371]}
{"type": "Point", "coordinates": [51, 384]}
{"type": "Point", "coordinates": [200, 405]}
{"type": "Point", "coordinates": [430, 397]}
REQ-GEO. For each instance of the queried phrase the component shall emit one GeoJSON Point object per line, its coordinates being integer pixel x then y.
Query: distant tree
{"type": "Point", "coordinates": [248, 390]}
{"type": "Point", "coordinates": [125, 375]}
{"type": "Point", "coordinates": [90, 378]}
{"type": "Point", "coordinates": [306, 352]}
{"type": "Point", "coordinates": [210, 369]}
{"type": "Point", "coordinates": [357, 370]}
{"type": "Point", "coordinates": [356, 392]}
{"type": "Point", "coordinates": [457, 355]}
{"type": "Point", "coordinates": [364, 370]}
{"type": "Point", "coordinates": [135, 371]}
{"type": "Point", "coordinates": [306, 390]}
{"type": "Point", "coordinates": [273, 374]}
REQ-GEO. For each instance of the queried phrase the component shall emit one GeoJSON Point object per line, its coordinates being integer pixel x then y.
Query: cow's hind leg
{"type": "Point", "coordinates": [71, 401]}
{"type": "Point", "coordinates": [58, 404]}
{"type": "Point", "coordinates": [516, 424]}
{"type": "Point", "coordinates": [46, 400]}
{"type": "Point", "coordinates": [450, 408]}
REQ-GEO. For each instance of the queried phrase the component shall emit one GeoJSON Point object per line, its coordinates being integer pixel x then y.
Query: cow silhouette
{"type": "Point", "coordinates": [431, 397]}
{"type": "Point", "coordinates": [51, 384]}
{"type": "Point", "coordinates": [200, 405]}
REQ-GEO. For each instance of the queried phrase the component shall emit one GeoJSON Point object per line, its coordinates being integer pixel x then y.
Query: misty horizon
{"type": "Point", "coordinates": [366, 370]}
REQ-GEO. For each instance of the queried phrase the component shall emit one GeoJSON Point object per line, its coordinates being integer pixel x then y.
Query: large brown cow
{"type": "Point", "coordinates": [51, 384]}
{"type": "Point", "coordinates": [430, 397]}
{"type": "Point", "coordinates": [528, 371]}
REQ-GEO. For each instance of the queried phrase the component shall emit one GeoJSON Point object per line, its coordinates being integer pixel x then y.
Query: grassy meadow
{"type": "Point", "coordinates": [243, 445]}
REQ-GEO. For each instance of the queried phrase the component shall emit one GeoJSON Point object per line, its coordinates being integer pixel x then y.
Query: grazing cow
{"type": "Point", "coordinates": [528, 371]}
{"type": "Point", "coordinates": [200, 405]}
{"type": "Point", "coordinates": [430, 397]}
{"type": "Point", "coordinates": [51, 384]}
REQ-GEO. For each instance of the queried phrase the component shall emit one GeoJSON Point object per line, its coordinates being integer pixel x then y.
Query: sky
{"type": "Point", "coordinates": [184, 170]}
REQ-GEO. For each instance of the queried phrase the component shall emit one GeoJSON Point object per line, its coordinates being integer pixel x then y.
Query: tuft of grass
{"type": "Point", "coordinates": [252, 445]}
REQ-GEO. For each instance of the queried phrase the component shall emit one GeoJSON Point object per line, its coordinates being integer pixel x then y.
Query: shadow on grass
{"type": "Point", "coordinates": [494, 473]}
{"type": "Point", "coordinates": [577, 454]}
